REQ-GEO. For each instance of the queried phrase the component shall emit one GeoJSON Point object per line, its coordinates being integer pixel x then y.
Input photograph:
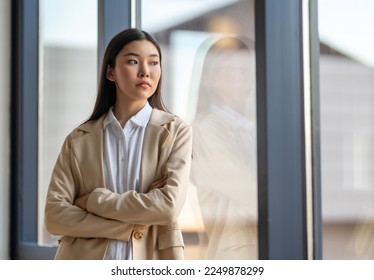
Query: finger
{"type": "Point", "coordinates": [158, 184]}
{"type": "Point", "coordinates": [160, 181]}
{"type": "Point", "coordinates": [163, 179]}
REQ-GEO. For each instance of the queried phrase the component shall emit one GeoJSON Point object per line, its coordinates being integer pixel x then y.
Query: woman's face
{"type": "Point", "coordinates": [137, 71]}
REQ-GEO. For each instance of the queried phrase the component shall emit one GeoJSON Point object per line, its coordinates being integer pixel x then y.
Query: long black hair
{"type": "Point", "coordinates": [106, 96]}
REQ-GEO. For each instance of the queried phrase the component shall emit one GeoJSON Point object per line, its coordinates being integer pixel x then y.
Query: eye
{"type": "Point", "coordinates": [154, 63]}
{"type": "Point", "coordinates": [132, 61]}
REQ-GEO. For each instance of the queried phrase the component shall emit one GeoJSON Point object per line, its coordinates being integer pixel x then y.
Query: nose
{"type": "Point", "coordinates": [144, 70]}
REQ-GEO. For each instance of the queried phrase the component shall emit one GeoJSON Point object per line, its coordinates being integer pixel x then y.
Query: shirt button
{"type": "Point", "coordinates": [138, 235]}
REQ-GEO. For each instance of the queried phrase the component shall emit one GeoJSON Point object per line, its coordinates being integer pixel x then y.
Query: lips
{"type": "Point", "coordinates": [144, 84]}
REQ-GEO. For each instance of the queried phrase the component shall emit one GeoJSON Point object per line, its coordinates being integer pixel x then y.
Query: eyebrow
{"type": "Point", "coordinates": [135, 54]}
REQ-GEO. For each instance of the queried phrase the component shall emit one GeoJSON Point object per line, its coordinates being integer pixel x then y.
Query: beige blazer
{"type": "Point", "coordinates": [78, 171]}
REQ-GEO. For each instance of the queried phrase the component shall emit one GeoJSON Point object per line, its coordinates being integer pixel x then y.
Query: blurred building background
{"type": "Point", "coordinates": [347, 134]}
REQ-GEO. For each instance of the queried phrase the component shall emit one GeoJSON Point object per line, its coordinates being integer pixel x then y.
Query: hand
{"type": "Point", "coordinates": [159, 183]}
{"type": "Point", "coordinates": [81, 202]}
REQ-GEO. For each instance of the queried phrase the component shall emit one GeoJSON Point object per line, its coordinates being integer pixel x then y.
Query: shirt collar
{"type": "Point", "coordinates": [140, 119]}
{"type": "Point", "coordinates": [143, 116]}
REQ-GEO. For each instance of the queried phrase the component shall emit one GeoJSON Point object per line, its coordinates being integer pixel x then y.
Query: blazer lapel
{"type": "Point", "coordinates": [156, 136]}
{"type": "Point", "coordinates": [88, 150]}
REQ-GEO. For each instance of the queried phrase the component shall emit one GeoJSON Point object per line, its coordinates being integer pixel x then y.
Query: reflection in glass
{"type": "Point", "coordinates": [68, 79]}
{"type": "Point", "coordinates": [224, 164]}
{"type": "Point", "coordinates": [210, 83]}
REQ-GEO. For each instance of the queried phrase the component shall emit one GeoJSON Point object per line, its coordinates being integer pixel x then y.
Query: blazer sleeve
{"type": "Point", "coordinates": [159, 206]}
{"type": "Point", "coordinates": [62, 217]}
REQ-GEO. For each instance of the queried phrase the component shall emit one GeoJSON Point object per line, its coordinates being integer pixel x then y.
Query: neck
{"type": "Point", "coordinates": [124, 111]}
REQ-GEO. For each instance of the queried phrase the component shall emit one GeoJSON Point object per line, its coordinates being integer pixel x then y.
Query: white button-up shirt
{"type": "Point", "coordinates": [122, 156]}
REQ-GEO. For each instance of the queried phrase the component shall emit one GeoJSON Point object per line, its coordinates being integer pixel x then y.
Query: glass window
{"type": "Point", "coordinates": [67, 81]}
{"type": "Point", "coordinates": [209, 80]}
{"type": "Point", "coordinates": [347, 131]}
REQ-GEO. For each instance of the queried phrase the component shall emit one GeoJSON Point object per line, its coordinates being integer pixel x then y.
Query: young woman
{"type": "Point", "coordinates": [121, 178]}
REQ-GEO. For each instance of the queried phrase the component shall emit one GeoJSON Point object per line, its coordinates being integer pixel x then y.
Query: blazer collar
{"type": "Point", "coordinates": [91, 126]}
{"type": "Point", "coordinates": [158, 117]}
{"type": "Point", "coordinates": [161, 118]}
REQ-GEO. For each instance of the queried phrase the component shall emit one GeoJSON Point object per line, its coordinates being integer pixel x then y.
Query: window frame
{"type": "Point", "coordinates": [281, 136]}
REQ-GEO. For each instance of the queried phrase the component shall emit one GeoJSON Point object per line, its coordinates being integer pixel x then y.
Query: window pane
{"type": "Point", "coordinates": [68, 80]}
{"type": "Point", "coordinates": [347, 131]}
{"type": "Point", "coordinates": [209, 80]}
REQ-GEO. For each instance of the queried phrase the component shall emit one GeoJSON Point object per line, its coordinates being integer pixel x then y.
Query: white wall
{"type": "Point", "coordinates": [5, 29]}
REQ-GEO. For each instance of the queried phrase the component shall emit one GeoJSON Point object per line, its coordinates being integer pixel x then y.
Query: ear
{"type": "Point", "coordinates": [109, 73]}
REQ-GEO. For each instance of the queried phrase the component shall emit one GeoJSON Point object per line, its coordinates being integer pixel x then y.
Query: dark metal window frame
{"type": "Point", "coordinates": [24, 145]}
{"type": "Point", "coordinates": [281, 132]}
{"type": "Point", "coordinates": [281, 162]}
